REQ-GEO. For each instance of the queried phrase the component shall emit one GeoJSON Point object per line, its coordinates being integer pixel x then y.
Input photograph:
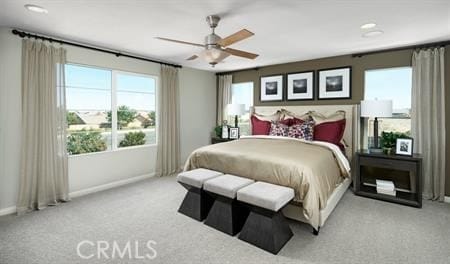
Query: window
{"type": "Point", "coordinates": [108, 109]}
{"type": "Point", "coordinates": [135, 109]}
{"type": "Point", "coordinates": [393, 84]}
{"type": "Point", "coordinates": [242, 93]}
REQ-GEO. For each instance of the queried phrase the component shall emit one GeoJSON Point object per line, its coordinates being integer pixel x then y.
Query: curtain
{"type": "Point", "coordinates": [428, 118]}
{"type": "Point", "coordinates": [224, 97]}
{"type": "Point", "coordinates": [44, 176]}
{"type": "Point", "coordinates": [168, 155]}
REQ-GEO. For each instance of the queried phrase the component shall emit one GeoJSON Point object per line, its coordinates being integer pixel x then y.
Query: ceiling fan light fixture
{"type": "Point", "coordinates": [214, 55]}
{"type": "Point", "coordinates": [215, 48]}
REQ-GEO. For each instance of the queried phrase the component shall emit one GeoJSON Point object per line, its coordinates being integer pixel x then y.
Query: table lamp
{"type": "Point", "coordinates": [376, 108]}
{"type": "Point", "coordinates": [236, 110]}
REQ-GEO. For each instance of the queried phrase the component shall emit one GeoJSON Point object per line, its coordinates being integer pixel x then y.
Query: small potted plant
{"type": "Point", "coordinates": [388, 142]}
{"type": "Point", "coordinates": [218, 131]}
{"type": "Point", "coordinates": [389, 139]}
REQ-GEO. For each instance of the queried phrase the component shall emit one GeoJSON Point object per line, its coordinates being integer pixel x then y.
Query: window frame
{"type": "Point", "coordinates": [251, 105]}
{"type": "Point", "coordinates": [380, 69]}
{"type": "Point", "coordinates": [113, 90]}
{"type": "Point", "coordinates": [253, 91]}
{"type": "Point", "coordinates": [366, 122]}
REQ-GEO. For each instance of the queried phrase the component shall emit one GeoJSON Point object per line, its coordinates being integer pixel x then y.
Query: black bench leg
{"type": "Point", "coordinates": [196, 203]}
{"type": "Point", "coordinates": [316, 231]}
{"type": "Point", "coordinates": [227, 215]}
{"type": "Point", "coordinates": [266, 229]}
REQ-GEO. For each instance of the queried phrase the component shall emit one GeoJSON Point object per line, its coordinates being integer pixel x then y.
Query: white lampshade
{"type": "Point", "coordinates": [376, 108]}
{"type": "Point", "coordinates": [236, 109]}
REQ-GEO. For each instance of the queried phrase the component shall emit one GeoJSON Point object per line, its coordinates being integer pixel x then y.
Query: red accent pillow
{"type": "Point", "coordinates": [260, 127]}
{"type": "Point", "coordinates": [330, 132]}
{"type": "Point", "coordinates": [286, 122]}
{"type": "Point", "coordinates": [291, 121]}
{"type": "Point", "coordinates": [296, 121]}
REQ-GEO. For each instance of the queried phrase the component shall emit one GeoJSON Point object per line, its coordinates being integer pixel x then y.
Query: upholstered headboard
{"type": "Point", "coordinates": [351, 134]}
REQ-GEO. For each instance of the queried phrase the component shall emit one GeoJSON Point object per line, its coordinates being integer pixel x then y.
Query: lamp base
{"type": "Point", "coordinates": [375, 150]}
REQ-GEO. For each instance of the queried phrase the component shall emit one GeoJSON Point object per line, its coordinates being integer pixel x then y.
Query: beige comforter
{"type": "Point", "coordinates": [312, 169]}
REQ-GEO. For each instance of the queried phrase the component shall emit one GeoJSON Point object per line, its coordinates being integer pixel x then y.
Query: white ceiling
{"type": "Point", "coordinates": [285, 31]}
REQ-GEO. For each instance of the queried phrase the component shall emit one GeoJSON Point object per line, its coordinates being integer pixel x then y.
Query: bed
{"type": "Point", "coordinates": [319, 172]}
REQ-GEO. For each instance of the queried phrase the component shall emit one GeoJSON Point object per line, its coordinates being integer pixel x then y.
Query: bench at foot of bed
{"type": "Point", "coordinates": [266, 227]}
{"type": "Point", "coordinates": [197, 202]}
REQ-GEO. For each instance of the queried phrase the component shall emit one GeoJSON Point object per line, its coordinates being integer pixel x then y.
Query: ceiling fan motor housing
{"type": "Point", "coordinates": [211, 41]}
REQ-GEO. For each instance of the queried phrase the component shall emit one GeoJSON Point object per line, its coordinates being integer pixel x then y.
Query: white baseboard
{"type": "Point", "coordinates": [12, 209]}
{"type": "Point", "coordinates": [8, 210]}
{"type": "Point", "coordinates": [447, 199]}
{"type": "Point", "coordinates": [110, 185]}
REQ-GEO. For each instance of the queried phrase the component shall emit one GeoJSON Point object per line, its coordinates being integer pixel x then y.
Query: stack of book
{"type": "Point", "coordinates": [386, 187]}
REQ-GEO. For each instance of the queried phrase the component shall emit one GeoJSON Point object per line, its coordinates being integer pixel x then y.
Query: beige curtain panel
{"type": "Point", "coordinates": [428, 118]}
{"type": "Point", "coordinates": [44, 176]}
{"type": "Point", "coordinates": [224, 97]}
{"type": "Point", "coordinates": [168, 154]}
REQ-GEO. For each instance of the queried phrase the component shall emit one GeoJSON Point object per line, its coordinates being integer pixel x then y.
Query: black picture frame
{"type": "Point", "coordinates": [279, 96]}
{"type": "Point", "coordinates": [398, 147]}
{"type": "Point", "coordinates": [321, 84]}
{"type": "Point", "coordinates": [313, 86]}
{"type": "Point", "coordinates": [233, 133]}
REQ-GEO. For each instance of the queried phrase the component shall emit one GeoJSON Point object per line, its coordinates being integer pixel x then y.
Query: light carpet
{"type": "Point", "coordinates": [360, 230]}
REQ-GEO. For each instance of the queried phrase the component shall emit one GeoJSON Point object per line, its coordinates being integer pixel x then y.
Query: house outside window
{"type": "Point", "coordinates": [108, 109]}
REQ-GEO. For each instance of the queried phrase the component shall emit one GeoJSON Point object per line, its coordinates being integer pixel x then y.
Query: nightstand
{"type": "Point", "coordinates": [215, 140]}
{"type": "Point", "coordinates": [404, 171]}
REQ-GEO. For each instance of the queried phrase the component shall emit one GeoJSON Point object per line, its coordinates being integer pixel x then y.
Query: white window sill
{"type": "Point", "coordinates": [112, 151]}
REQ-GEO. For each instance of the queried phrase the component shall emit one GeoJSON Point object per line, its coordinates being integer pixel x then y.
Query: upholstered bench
{"type": "Point", "coordinates": [227, 214]}
{"type": "Point", "coordinates": [196, 203]}
{"type": "Point", "coordinates": [266, 227]}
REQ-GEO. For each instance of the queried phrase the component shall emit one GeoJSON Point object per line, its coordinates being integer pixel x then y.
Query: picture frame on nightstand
{"type": "Point", "coordinates": [234, 132]}
{"type": "Point", "coordinates": [404, 146]}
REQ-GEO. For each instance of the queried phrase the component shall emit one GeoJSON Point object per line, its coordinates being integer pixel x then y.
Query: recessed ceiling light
{"type": "Point", "coordinates": [35, 8]}
{"type": "Point", "coordinates": [368, 25]}
{"type": "Point", "coordinates": [372, 33]}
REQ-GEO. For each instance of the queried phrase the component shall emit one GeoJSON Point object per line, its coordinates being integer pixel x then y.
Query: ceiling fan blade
{"type": "Point", "coordinates": [241, 53]}
{"type": "Point", "coordinates": [182, 42]}
{"type": "Point", "coordinates": [193, 57]}
{"type": "Point", "coordinates": [233, 38]}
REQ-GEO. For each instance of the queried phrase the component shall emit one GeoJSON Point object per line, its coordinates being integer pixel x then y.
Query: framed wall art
{"type": "Point", "coordinates": [335, 83]}
{"type": "Point", "coordinates": [300, 86]}
{"type": "Point", "coordinates": [271, 88]}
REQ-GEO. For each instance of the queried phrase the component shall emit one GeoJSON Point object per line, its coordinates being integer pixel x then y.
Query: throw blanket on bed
{"type": "Point", "coordinates": [312, 169]}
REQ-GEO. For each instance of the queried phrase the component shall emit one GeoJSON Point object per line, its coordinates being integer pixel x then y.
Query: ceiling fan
{"type": "Point", "coordinates": [216, 48]}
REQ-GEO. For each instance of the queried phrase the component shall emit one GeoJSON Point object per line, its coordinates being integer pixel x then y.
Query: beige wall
{"type": "Point", "coordinates": [359, 65]}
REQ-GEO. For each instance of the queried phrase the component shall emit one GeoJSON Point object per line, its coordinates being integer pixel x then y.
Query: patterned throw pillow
{"type": "Point", "coordinates": [279, 129]}
{"type": "Point", "coordinates": [304, 130]}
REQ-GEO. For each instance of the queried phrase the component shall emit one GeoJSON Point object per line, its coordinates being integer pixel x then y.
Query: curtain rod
{"type": "Point", "coordinates": [419, 46]}
{"type": "Point", "coordinates": [23, 34]}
